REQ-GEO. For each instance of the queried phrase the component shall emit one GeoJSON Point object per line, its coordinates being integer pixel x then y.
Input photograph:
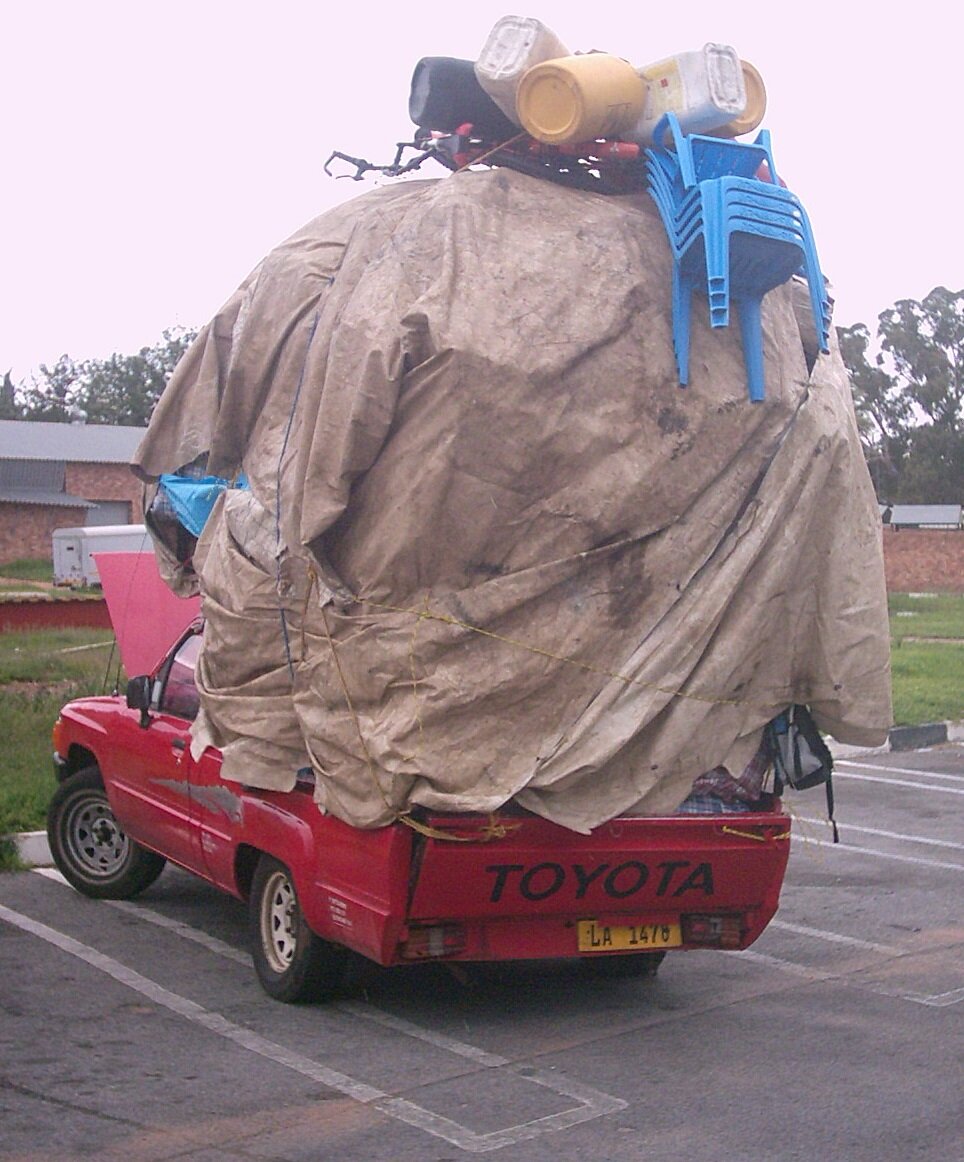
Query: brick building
{"type": "Point", "coordinates": [55, 476]}
{"type": "Point", "coordinates": [920, 560]}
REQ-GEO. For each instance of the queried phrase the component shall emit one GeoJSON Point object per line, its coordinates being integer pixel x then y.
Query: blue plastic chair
{"type": "Point", "coordinates": [723, 210]}
{"type": "Point", "coordinates": [733, 234]}
{"type": "Point", "coordinates": [730, 205]}
{"type": "Point", "coordinates": [700, 157]}
{"type": "Point", "coordinates": [754, 208]}
{"type": "Point", "coordinates": [752, 198]}
{"type": "Point", "coordinates": [741, 261]}
{"type": "Point", "coordinates": [756, 265]}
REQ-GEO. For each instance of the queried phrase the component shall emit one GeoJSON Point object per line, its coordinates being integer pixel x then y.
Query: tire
{"type": "Point", "coordinates": [88, 846]}
{"type": "Point", "coordinates": [293, 964]}
{"type": "Point", "coordinates": [631, 965]}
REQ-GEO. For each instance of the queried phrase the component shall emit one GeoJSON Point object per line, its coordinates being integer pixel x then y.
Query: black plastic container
{"type": "Point", "coordinates": [446, 94]}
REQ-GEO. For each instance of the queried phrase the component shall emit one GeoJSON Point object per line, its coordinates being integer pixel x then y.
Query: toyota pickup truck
{"type": "Point", "coordinates": [130, 797]}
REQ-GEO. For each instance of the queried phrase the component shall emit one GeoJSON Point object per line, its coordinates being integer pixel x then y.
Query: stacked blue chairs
{"type": "Point", "coordinates": [731, 233]}
{"type": "Point", "coordinates": [697, 157]}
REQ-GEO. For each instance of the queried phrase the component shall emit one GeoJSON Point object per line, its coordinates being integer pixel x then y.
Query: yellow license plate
{"type": "Point", "coordinates": [595, 937]}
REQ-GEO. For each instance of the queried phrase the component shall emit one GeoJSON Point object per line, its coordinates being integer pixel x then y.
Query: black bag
{"type": "Point", "coordinates": [800, 757]}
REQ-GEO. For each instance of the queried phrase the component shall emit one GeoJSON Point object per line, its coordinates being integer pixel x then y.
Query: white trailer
{"type": "Point", "coordinates": [73, 549]}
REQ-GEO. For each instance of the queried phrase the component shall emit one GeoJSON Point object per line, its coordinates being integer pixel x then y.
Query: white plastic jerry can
{"type": "Point", "coordinates": [705, 89]}
{"type": "Point", "coordinates": [514, 45]}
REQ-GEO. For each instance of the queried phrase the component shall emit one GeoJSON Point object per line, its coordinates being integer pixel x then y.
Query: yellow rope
{"type": "Point", "coordinates": [804, 834]}
{"type": "Point", "coordinates": [445, 619]}
{"type": "Point", "coordinates": [413, 666]}
{"type": "Point", "coordinates": [354, 713]}
{"type": "Point", "coordinates": [749, 834]}
{"type": "Point", "coordinates": [495, 149]}
{"type": "Point", "coordinates": [495, 829]}
{"type": "Point", "coordinates": [312, 578]}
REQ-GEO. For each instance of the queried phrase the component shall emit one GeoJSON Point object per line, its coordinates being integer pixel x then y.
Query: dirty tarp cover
{"type": "Point", "coordinates": [491, 549]}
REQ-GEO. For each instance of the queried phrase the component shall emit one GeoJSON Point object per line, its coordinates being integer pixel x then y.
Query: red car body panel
{"type": "Point", "coordinates": [513, 887]}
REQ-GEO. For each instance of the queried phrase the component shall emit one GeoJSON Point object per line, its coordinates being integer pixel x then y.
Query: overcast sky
{"type": "Point", "coordinates": [153, 152]}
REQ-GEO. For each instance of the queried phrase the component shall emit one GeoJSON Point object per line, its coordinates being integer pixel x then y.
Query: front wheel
{"type": "Point", "coordinates": [292, 963]}
{"type": "Point", "coordinates": [88, 846]}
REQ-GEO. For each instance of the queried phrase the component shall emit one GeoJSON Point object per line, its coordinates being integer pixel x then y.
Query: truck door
{"type": "Point", "coordinates": [213, 809]}
{"type": "Point", "coordinates": [218, 812]}
{"type": "Point", "coordinates": [149, 766]}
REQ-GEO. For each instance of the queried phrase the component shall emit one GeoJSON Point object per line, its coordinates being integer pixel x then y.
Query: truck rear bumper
{"type": "Point", "coordinates": [535, 890]}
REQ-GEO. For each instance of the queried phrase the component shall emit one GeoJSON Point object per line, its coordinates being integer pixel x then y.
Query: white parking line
{"type": "Point", "coordinates": [938, 1000]}
{"type": "Point", "coordinates": [899, 770]}
{"type": "Point", "coordinates": [592, 1102]}
{"type": "Point", "coordinates": [887, 834]}
{"type": "Point", "coordinates": [768, 961]}
{"type": "Point", "coordinates": [834, 937]}
{"type": "Point", "coordinates": [192, 1011]}
{"type": "Point", "coordinates": [185, 931]}
{"type": "Point", "coordinates": [920, 861]}
{"type": "Point", "coordinates": [439, 1040]}
{"type": "Point", "coordinates": [560, 1085]}
{"type": "Point", "coordinates": [900, 783]}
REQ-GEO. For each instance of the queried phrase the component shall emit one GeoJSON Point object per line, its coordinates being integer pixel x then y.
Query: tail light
{"type": "Point", "coordinates": [713, 931]}
{"type": "Point", "coordinates": [431, 940]}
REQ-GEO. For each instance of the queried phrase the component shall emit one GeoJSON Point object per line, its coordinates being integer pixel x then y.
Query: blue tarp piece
{"type": "Point", "coordinates": [193, 499]}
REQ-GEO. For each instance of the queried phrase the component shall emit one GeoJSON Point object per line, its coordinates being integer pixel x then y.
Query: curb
{"type": "Point", "coordinates": [903, 738]}
{"type": "Point", "coordinates": [916, 737]}
{"type": "Point", "coordinates": [45, 612]}
{"type": "Point", "coordinates": [33, 849]}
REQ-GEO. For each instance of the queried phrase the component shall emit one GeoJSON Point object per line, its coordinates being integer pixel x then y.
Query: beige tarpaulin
{"type": "Point", "coordinates": [491, 549]}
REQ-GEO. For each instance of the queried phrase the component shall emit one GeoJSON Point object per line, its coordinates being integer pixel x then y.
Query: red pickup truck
{"type": "Point", "coordinates": [458, 888]}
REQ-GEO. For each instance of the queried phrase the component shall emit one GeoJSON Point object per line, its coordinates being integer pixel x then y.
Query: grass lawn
{"type": "Point", "coordinates": [29, 569]}
{"type": "Point", "coordinates": [39, 672]}
{"type": "Point", "coordinates": [928, 681]}
{"type": "Point", "coordinates": [927, 657]}
{"type": "Point", "coordinates": [928, 615]}
{"type": "Point", "coordinates": [43, 657]}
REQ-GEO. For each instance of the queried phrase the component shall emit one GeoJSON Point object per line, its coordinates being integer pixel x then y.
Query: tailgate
{"type": "Point", "coordinates": [538, 877]}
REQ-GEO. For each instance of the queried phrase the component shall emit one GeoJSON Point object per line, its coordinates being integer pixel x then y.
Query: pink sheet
{"type": "Point", "coordinates": [145, 614]}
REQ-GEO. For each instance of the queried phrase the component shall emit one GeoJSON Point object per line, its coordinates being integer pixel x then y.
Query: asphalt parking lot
{"type": "Point", "coordinates": [138, 1030]}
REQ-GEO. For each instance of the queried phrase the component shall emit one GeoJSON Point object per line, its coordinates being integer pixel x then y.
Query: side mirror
{"type": "Point", "coordinates": [139, 697]}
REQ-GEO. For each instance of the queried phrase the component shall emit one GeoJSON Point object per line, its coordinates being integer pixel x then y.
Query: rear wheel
{"type": "Point", "coordinates": [292, 963]}
{"type": "Point", "coordinates": [88, 846]}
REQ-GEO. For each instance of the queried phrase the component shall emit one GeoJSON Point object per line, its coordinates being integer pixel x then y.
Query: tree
{"type": "Point", "coordinates": [933, 470]}
{"type": "Point", "coordinates": [52, 395]}
{"type": "Point", "coordinates": [124, 388]}
{"type": "Point", "coordinates": [121, 389]}
{"type": "Point", "coordinates": [10, 409]}
{"type": "Point", "coordinates": [910, 399]}
{"type": "Point", "coordinates": [884, 413]}
{"type": "Point", "coordinates": [925, 341]}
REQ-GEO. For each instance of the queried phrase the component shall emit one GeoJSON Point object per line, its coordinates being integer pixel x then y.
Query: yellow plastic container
{"type": "Point", "coordinates": [580, 98]}
{"type": "Point", "coordinates": [756, 106]}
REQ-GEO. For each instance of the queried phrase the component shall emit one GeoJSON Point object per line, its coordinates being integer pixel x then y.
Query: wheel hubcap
{"type": "Point", "coordinates": [96, 842]}
{"type": "Point", "coordinates": [279, 921]}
